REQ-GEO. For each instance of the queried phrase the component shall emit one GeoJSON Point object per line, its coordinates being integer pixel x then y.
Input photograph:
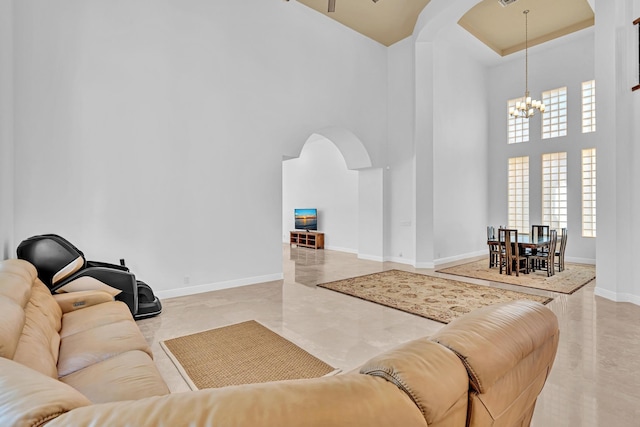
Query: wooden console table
{"type": "Point", "coordinates": [307, 239]}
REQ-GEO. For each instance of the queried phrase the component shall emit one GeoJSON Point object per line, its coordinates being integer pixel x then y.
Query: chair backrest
{"type": "Point", "coordinates": [539, 231]}
{"type": "Point", "coordinates": [553, 236]}
{"type": "Point", "coordinates": [491, 233]}
{"type": "Point", "coordinates": [54, 257]}
{"type": "Point", "coordinates": [506, 236]}
{"type": "Point", "coordinates": [563, 242]}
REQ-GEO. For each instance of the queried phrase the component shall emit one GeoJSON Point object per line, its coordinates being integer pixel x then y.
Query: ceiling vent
{"type": "Point", "coordinates": [506, 3]}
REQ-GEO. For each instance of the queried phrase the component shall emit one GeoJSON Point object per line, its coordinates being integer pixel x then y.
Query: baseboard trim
{"type": "Point", "coordinates": [339, 249]}
{"type": "Point", "coordinates": [198, 289]}
{"type": "Point", "coordinates": [399, 260]}
{"type": "Point", "coordinates": [617, 297]}
{"type": "Point", "coordinates": [462, 257]}
{"type": "Point", "coordinates": [581, 260]}
{"type": "Point", "coordinates": [371, 257]}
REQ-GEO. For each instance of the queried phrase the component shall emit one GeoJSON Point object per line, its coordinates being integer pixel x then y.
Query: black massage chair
{"type": "Point", "coordinates": [63, 268]}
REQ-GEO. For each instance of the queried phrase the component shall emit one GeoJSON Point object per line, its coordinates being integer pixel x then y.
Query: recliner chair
{"type": "Point", "coordinates": [63, 268]}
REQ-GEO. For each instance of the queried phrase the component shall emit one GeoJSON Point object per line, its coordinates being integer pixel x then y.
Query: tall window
{"type": "Point", "coordinates": [589, 192]}
{"type": "Point", "coordinates": [519, 193]}
{"type": "Point", "coordinates": [554, 190]}
{"type": "Point", "coordinates": [589, 106]}
{"type": "Point", "coordinates": [554, 119]}
{"type": "Point", "coordinates": [518, 129]}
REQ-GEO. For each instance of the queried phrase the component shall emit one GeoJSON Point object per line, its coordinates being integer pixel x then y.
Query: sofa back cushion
{"type": "Point", "coordinates": [29, 332]}
{"type": "Point", "coordinates": [508, 350]}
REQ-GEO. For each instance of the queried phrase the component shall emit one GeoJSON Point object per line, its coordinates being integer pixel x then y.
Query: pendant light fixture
{"type": "Point", "coordinates": [332, 5]}
{"type": "Point", "coordinates": [527, 108]}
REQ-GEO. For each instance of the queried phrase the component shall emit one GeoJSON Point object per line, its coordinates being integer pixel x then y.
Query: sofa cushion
{"type": "Point", "coordinates": [127, 376]}
{"type": "Point", "coordinates": [29, 398]}
{"type": "Point", "coordinates": [94, 316]}
{"type": "Point", "coordinates": [31, 318]}
{"type": "Point", "coordinates": [39, 343]}
{"type": "Point", "coordinates": [16, 277]}
{"type": "Point", "coordinates": [94, 345]}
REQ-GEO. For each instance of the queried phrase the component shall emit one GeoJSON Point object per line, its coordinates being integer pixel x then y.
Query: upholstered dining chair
{"type": "Point", "coordinates": [510, 256]}
{"type": "Point", "coordinates": [494, 247]}
{"type": "Point", "coordinates": [545, 260]}
{"type": "Point", "coordinates": [559, 254]}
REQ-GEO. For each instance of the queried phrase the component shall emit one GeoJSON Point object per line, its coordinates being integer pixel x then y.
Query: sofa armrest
{"type": "Point", "coordinates": [30, 398]}
{"type": "Point", "coordinates": [72, 301]}
{"type": "Point", "coordinates": [430, 374]}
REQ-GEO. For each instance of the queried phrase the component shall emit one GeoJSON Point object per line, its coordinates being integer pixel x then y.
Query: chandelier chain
{"type": "Point", "coordinates": [526, 51]}
{"type": "Point", "coordinates": [527, 107]}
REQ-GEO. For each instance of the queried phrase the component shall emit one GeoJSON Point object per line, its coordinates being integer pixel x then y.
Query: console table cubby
{"type": "Point", "coordinates": [307, 239]}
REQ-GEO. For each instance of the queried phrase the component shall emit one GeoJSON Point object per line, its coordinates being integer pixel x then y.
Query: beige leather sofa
{"type": "Point", "coordinates": [80, 360]}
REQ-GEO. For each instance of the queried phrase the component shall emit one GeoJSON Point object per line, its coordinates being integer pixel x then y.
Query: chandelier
{"type": "Point", "coordinates": [527, 108]}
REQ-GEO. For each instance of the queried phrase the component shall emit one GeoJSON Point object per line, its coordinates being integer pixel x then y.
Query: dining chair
{"type": "Point", "coordinates": [510, 257]}
{"type": "Point", "coordinates": [539, 231]}
{"type": "Point", "coordinates": [494, 247]}
{"type": "Point", "coordinates": [559, 254]}
{"type": "Point", "coordinates": [545, 260]}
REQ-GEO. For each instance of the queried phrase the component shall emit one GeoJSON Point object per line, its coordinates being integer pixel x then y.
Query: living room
{"type": "Point", "coordinates": [157, 132]}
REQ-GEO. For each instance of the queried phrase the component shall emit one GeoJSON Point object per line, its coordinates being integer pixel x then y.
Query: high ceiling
{"type": "Point", "coordinates": [500, 28]}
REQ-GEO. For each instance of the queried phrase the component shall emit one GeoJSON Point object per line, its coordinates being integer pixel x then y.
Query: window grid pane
{"type": "Point", "coordinates": [554, 119]}
{"type": "Point", "coordinates": [517, 129]}
{"type": "Point", "coordinates": [554, 190]}
{"type": "Point", "coordinates": [519, 194]}
{"type": "Point", "coordinates": [589, 106]}
{"type": "Point", "coordinates": [589, 192]}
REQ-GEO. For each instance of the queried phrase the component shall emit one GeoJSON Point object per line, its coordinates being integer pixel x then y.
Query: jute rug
{"type": "Point", "coordinates": [243, 353]}
{"type": "Point", "coordinates": [432, 297]}
{"type": "Point", "coordinates": [572, 278]}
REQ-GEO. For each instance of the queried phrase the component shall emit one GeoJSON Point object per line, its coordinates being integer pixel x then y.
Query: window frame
{"type": "Point", "coordinates": [555, 114]}
{"type": "Point", "coordinates": [588, 158]}
{"type": "Point", "coordinates": [555, 190]}
{"type": "Point", "coordinates": [518, 207]}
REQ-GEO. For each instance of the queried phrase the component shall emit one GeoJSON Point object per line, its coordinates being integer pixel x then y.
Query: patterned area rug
{"type": "Point", "coordinates": [432, 297]}
{"type": "Point", "coordinates": [244, 353]}
{"type": "Point", "coordinates": [572, 278]}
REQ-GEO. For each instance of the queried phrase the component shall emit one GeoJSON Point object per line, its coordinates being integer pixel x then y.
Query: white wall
{"type": "Point", "coordinates": [566, 62]}
{"type": "Point", "coordinates": [155, 131]}
{"type": "Point", "coordinates": [7, 246]}
{"type": "Point", "coordinates": [460, 154]}
{"type": "Point", "coordinates": [450, 141]}
{"type": "Point", "coordinates": [616, 59]}
{"type": "Point", "coordinates": [319, 179]}
{"type": "Point", "coordinates": [399, 171]}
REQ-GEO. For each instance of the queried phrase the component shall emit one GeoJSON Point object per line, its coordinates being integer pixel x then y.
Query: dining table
{"type": "Point", "coordinates": [527, 241]}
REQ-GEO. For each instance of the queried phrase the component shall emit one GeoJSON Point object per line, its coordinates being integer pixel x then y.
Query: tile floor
{"type": "Point", "coordinates": [594, 381]}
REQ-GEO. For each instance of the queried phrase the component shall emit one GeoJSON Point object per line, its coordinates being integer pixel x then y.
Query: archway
{"type": "Point", "coordinates": [369, 188]}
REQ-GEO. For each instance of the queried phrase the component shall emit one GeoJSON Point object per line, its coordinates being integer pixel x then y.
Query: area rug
{"type": "Point", "coordinates": [243, 353]}
{"type": "Point", "coordinates": [432, 297]}
{"type": "Point", "coordinates": [572, 278]}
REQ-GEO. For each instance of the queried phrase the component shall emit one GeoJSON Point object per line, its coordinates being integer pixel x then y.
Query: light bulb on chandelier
{"type": "Point", "coordinates": [527, 108]}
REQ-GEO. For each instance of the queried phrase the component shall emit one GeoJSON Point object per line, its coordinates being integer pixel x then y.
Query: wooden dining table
{"type": "Point", "coordinates": [527, 241]}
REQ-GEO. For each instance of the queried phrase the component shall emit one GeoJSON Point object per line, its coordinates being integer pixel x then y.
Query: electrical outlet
{"type": "Point", "coordinates": [186, 280]}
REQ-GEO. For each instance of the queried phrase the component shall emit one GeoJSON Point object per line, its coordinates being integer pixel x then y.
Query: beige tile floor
{"type": "Point", "coordinates": [594, 381]}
